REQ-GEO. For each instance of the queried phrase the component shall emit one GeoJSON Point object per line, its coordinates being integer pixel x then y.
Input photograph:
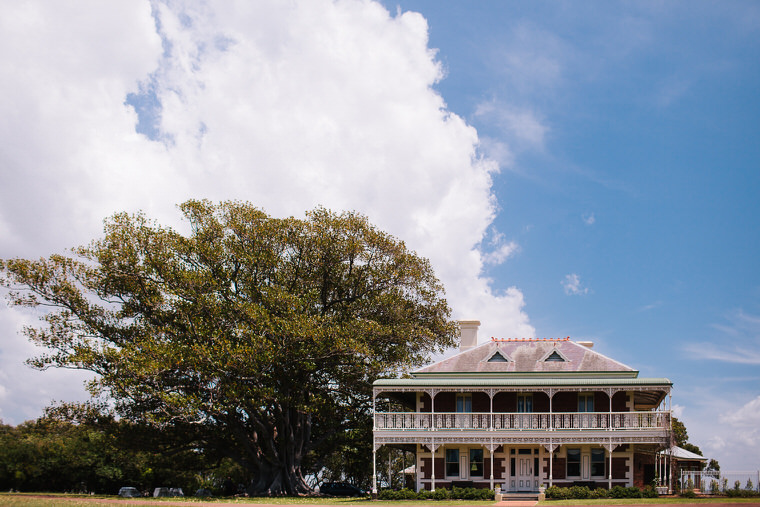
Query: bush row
{"type": "Point", "coordinates": [583, 492]}
{"type": "Point", "coordinates": [454, 493]}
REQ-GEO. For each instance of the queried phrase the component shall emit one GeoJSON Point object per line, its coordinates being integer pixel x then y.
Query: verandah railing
{"type": "Point", "coordinates": [522, 421]}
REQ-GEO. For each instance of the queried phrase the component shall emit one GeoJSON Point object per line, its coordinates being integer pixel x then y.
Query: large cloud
{"type": "Point", "coordinates": [287, 105]}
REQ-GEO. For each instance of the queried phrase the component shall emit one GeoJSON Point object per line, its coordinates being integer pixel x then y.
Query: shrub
{"type": "Point", "coordinates": [649, 492]}
{"type": "Point", "coordinates": [749, 486]}
{"type": "Point", "coordinates": [689, 493]}
{"type": "Point", "coordinates": [579, 492]}
{"type": "Point", "coordinates": [557, 493]}
{"type": "Point", "coordinates": [599, 493]}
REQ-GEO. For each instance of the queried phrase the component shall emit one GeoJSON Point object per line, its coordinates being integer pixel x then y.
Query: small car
{"type": "Point", "coordinates": [340, 489]}
{"type": "Point", "coordinates": [129, 492]}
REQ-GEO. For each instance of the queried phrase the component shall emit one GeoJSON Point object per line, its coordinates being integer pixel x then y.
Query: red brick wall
{"type": "Point", "coordinates": [540, 402]}
{"type": "Point", "coordinates": [446, 402]}
{"type": "Point", "coordinates": [601, 402]}
{"type": "Point", "coordinates": [565, 402]}
{"type": "Point", "coordinates": [440, 470]}
{"type": "Point", "coordinates": [619, 401]}
{"type": "Point", "coordinates": [619, 468]}
{"type": "Point", "coordinates": [481, 402]}
{"type": "Point", "coordinates": [425, 399]}
{"type": "Point", "coordinates": [505, 402]}
{"type": "Point", "coordinates": [559, 468]}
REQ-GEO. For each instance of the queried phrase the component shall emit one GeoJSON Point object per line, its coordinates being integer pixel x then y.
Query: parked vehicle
{"type": "Point", "coordinates": [341, 489]}
{"type": "Point", "coordinates": [158, 492]}
{"type": "Point", "coordinates": [129, 492]}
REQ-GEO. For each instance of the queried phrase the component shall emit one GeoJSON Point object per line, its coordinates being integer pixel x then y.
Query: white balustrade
{"type": "Point", "coordinates": [558, 421]}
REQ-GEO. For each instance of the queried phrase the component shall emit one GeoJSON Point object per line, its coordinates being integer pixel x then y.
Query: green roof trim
{"type": "Point", "coordinates": [521, 382]}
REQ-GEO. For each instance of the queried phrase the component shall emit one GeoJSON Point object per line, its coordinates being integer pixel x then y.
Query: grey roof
{"type": "Point", "coordinates": [492, 381]}
{"type": "Point", "coordinates": [680, 453]}
{"type": "Point", "coordinates": [528, 356]}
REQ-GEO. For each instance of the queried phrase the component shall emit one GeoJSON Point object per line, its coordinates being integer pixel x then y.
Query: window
{"type": "Point", "coordinates": [452, 462]}
{"type": "Point", "coordinates": [555, 357]}
{"type": "Point", "coordinates": [573, 462]}
{"type": "Point", "coordinates": [585, 403]}
{"type": "Point", "coordinates": [525, 403]}
{"type": "Point", "coordinates": [476, 462]}
{"type": "Point", "coordinates": [464, 403]}
{"type": "Point", "coordinates": [597, 462]}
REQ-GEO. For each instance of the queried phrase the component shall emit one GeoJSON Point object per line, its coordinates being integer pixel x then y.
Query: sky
{"type": "Point", "coordinates": [582, 169]}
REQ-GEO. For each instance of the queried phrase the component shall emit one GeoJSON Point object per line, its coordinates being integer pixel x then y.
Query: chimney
{"type": "Point", "coordinates": [586, 344]}
{"type": "Point", "coordinates": [468, 334]}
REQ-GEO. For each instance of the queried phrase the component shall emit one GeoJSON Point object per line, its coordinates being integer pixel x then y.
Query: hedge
{"type": "Point", "coordinates": [454, 493]}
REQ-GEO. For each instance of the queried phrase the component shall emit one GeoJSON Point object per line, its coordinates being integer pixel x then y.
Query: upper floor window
{"type": "Point", "coordinates": [525, 403]}
{"type": "Point", "coordinates": [452, 462]}
{"type": "Point", "coordinates": [585, 403]}
{"type": "Point", "coordinates": [464, 403]}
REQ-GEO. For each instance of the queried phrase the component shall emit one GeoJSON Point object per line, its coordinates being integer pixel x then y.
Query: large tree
{"type": "Point", "coordinates": [258, 336]}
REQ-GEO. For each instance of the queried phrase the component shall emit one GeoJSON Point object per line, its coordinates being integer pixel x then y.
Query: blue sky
{"type": "Point", "coordinates": [634, 205]}
{"type": "Point", "coordinates": [571, 169]}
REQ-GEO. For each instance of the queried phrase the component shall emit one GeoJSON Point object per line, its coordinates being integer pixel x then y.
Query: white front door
{"type": "Point", "coordinates": [524, 473]}
{"type": "Point", "coordinates": [464, 466]}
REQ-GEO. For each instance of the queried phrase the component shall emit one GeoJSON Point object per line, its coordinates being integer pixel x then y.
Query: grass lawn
{"type": "Point", "coordinates": [642, 501]}
{"type": "Point", "coordinates": [66, 500]}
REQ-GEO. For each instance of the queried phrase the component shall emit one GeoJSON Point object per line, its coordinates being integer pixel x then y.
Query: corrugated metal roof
{"type": "Point", "coordinates": [521, 382]}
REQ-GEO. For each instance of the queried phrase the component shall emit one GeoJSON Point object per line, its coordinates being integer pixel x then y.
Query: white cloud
{"type": "Point", "coordinates": [589, 219]}
{"type": "Point", "coordinates": [573, 286]}
{"type": "Point", "coordinates": [522, 127]}
{"type": "Point", "coordinates": [738, 340]}
{"type": "Point", "coordinates": [286, 105]}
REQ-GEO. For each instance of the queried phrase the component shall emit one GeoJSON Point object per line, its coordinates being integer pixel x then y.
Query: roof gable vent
{"type": "Point", "coordinates": [498, 357]}
{"type": "Point", "coordinates": [555, 357]}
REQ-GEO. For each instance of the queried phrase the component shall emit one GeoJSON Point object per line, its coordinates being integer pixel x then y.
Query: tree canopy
{"type": "Point", "coordinates": [257, 336]}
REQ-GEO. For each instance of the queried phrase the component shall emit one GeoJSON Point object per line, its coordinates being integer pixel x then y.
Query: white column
{"type": "Point", "coordinates": [551, 463]}
{"type": "Point", "coordinates": [609, 475]}
{"type": "Point", "coordinates": [490, 450]}
{"type": "Point", "coordinates": [374, 468]}
{"type": "Point", "coordinates": [432, 462]}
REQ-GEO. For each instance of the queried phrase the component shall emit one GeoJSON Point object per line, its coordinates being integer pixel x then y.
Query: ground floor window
{"type": "Point", "coordinates": [452, 462]}
{"type": "Point", "coordinates": [597, 462]}
{"type": "Point", "coordinates": [573, 462]}
{"type": "Point", "coordinates": [476, 462]}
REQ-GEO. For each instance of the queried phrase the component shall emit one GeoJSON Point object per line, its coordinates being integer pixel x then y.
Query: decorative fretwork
{"type": "Point", "coordinates": [565, 421]}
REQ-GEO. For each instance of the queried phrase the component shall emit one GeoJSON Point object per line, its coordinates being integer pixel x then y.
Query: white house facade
{"type": "Point", "coordinates": [523, 414]}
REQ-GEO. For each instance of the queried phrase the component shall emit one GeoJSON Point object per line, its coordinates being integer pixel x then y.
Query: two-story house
{"type": "Point", "coordinates": [523, 414]}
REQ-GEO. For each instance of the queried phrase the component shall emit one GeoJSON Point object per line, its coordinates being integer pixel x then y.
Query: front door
{"type": "Point", "coordinates": [525, 473]}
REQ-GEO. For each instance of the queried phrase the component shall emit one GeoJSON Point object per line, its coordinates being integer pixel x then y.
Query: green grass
{"type": "Point", "coordinates": [644, 501]}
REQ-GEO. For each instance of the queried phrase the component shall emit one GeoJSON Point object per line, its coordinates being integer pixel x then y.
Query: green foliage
{"type": "Point", "coordinates": [688, 493]}
{"type": "Point", "coordinates": [583, 492]}
{"type": "Point", "coordinates": [749, 486]}
{"type": "Point", "coordinates": [649, 492]}
{"type": "Point", "coordinates": [256, 338]}
{"type": "Point", "coordinates": [455, 493]}
{"type": "Point", "coordinates": [90, 455]}
{"type": "Point", "coordinates": [579, 492]}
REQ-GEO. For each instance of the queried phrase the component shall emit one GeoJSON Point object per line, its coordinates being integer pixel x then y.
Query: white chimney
{"type": "Point", "coordinates": [586, 344]}
{"type": "Point", "coordinates": [468, 330]}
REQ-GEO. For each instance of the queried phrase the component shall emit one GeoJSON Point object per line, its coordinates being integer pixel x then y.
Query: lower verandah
{"type": "Point", "coordinates": [526, 468]}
